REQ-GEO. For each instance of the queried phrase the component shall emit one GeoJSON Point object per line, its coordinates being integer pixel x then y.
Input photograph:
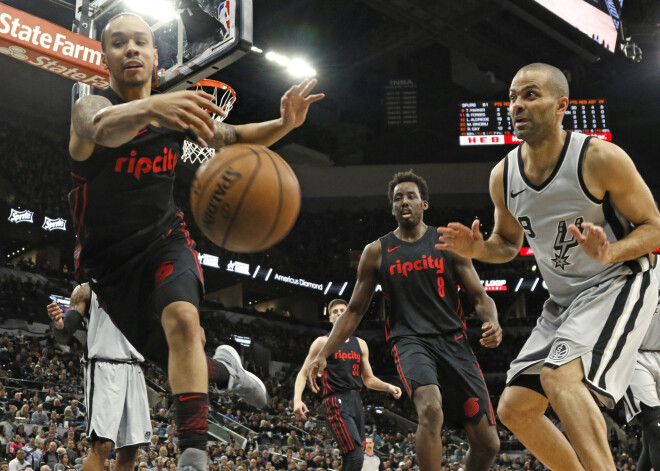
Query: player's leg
{"type": "Point", "coordinates": [415, 361]}
{"type": "Point", "coordinates": [522, 410]}
{"type": "Point", "coordinates": [579, 414]}
{"type": "Point", "coordinates": [594, 354]}
{"type": "Point", "coordinates": [103, 386]}
{"type": "Point", "coordinates": [126, 457]}
{"type": "Point", "coordinates": [340, 412]}
{"type": "Point", "coordinates": [484, 445]}
{"type": "Point", "coordinates": [98, 453]}
{"type": "Point", "coordinates": [428, 402]}
{"type": "Point", "coordinates": [649, 417]}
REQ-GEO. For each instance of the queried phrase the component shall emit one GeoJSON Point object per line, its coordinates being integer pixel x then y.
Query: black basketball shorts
{"type": "Point", "coordinates": [448, 362]}
{"type": "Point", "coordinates": [135, 296]}
{"type": "Point", "coordinates": [346, 416]}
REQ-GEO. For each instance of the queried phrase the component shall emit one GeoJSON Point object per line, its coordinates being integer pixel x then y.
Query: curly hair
{"type": "Point", "coordinates": [408, 176]}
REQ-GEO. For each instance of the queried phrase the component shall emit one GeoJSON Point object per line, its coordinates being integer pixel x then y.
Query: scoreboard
{"type": "Point", "coordinates": [489, 123]}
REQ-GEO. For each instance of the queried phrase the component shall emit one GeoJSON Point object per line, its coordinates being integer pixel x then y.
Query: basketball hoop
{"type": "Point", "coordinates": [223, 96]}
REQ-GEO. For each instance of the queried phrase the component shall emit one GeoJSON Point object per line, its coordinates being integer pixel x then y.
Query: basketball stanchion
{"type": "Point", "coordinates": [224, 97]}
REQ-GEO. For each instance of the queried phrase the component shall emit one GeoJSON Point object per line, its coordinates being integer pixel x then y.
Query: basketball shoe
{"type": "Point", "coordinates": [241, 382]}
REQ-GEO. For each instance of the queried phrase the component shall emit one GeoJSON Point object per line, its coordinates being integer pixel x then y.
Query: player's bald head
{"type": "Point", "coordinates": [555, 79]}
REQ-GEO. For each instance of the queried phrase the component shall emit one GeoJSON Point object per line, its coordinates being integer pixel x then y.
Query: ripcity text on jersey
{"type": "Point", "coordinates": [420, 287]}
{"type": "Point", "coordinates": [344, 370]}
{"type": "Point", "coordinates": [545, 211]}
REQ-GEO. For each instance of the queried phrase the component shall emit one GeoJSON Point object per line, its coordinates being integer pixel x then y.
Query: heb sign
{"type": "Point", "coordinates": [489, 140]}
{"type": "Point", "coordinates": [43, 44]}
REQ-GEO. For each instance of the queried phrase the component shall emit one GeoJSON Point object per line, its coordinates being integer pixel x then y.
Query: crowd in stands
{"type": "Point", "coordinates": [43, 416]}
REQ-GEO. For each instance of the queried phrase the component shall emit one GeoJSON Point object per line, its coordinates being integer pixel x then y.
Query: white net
{"type": "Point", "coordinates": [224, 96]}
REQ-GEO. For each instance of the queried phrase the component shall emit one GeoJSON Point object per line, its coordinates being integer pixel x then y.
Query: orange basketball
{"type": "Point", "coordinates": [246, 198]}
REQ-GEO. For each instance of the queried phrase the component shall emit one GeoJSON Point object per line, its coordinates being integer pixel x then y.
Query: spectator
{"type": "Point", "coordinates": [14, 446]}
{"type": "Point", "coordinates": [19, 463]}
{"type": "Point", "coordinates": [50, 457]}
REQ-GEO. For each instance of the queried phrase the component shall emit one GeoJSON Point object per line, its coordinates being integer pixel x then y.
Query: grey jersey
{"type": "Point", "coordinates": [104, 339]}
{"type": "Point", "coordinates": [652, 338]}
{"type": "Point", "coordinates": [545, 211]}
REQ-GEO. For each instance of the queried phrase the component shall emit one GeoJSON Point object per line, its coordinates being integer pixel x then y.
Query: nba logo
{"type": "Point", "coordinates": [224, 14]}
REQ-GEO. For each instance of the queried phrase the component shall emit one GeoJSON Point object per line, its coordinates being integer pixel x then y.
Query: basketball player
{"type": "Point", "coordinates": [115, 391]}
{"type": "Point", "coordinates": [425, 327]}
{"type": "Point", "coordinates": [591, 221]}
{"type": "Point", "coordinates": [133, 245]}
{"type": "Point", "coordinates": [347, 372]}
{"type": "Point", "coordinates": [642, 399]}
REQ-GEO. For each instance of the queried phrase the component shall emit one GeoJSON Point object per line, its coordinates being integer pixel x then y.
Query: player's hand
{"type": "Point", "coordinates": [465, 241]}
{"type": "Point", "coordinates": [593, 241]}
{"type": "Point", "coordinates": [55, 314]}
{"type": "Point", "coordinates": [314, 371]}
{"type": "Point", "coordinates": [295, 103]}
{"type": "Point", "coordinates": [300, 409]}
{"type": "Point", "coordinates": [395, 391]}
{"type": "Point", "coordinates": [491, 335]}
{"type": "Point", "coordinates": [186, 110]}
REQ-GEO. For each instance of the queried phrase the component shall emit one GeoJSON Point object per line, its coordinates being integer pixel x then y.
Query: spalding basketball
{"type": "Point", "coordinates": [245, 198]}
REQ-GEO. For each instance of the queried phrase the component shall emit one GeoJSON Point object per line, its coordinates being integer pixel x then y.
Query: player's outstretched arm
{"type": "Point", "coordinates": [293, 112]}
{"type": "Point", "coordinates": [357, 306]}
{"type": "Point", "coordinates": [66, 325]}
{"type": "Point", "coordinates": [505, 241]}
{"type": "Point", "coordinates": [299, 407]}
{"type": "Point", "coordinates": [95, 121]}
{"type": "Point", "coordinates": [608, 170]}
{"type": "Point", "coordinates": [368, 377]}
{"type": "Point", "coordinates": [491, 331]}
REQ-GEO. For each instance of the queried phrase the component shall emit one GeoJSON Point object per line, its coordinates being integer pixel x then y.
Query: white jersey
{"type": "Point", "coordinates": [545, 211]}
{"type": "Point", "coordinates": [371, 462]}
{"type": "Point", "coordinates": [104, 339]}
{"type": "Point", "coordinates": [651, 340]}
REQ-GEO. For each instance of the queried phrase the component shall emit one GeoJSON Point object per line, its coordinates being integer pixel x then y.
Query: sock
{"type": "Point", "coordinates": [218, 373]}
{"type": "Point", "coordinates": [190, 410]}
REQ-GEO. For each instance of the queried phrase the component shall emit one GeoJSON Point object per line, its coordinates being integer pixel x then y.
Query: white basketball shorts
{"type": "Point", "coordinates": [604, 326]}
{"type": "Point", "coordinates": [117, 405]}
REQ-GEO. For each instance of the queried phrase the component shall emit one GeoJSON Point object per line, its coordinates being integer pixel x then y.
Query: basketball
{"type": "Point", "coordinates": [246, 198]}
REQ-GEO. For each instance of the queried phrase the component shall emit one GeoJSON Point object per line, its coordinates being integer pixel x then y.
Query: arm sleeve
{"type": "Point", "coordinates": [72, 322]}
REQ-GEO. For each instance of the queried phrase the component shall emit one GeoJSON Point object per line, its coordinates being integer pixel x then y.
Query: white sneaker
{"type": "Point", "coordinates": [250, 388]}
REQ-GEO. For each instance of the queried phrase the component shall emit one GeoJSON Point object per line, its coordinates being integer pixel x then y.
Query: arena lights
{"type": "Point", "coordinates": [296, 67]}
{"type": "Point", "coordinates": [163, 10]}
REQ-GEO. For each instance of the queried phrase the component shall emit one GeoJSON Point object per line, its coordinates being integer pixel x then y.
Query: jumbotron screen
{"type": "Point", "coordinates": [489, 123]}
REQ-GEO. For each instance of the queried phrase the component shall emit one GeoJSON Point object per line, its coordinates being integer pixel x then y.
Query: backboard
{"type": "Point", "coordinates": [194, 38]}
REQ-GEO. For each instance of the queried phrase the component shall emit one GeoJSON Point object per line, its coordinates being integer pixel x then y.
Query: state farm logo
{"type": "Point", "coordinates": [20, 216]}
{"type": "Point", "coordinates": [15, 51]}
{"type": "Point", "coordinates": [58, 224]}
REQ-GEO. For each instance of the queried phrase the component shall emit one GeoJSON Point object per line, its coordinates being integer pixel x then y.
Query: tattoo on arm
{"type": "Point", "coordinates": [225, 134]}
{"type": "Point", "coordinates": [79, 298]}
{"type": "Point", "coordinates": [82, 115]}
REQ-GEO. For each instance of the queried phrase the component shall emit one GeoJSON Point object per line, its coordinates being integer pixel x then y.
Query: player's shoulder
{"type": "Point", "coordinates": [605, 159]}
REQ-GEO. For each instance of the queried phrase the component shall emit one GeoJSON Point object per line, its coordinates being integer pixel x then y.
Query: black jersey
{"type": "Point", "coordinates": [122, 199]}
{"type": "Point", "coordinates": [420, 287]}
{"type": "Point", "coordinates": [344, 372]}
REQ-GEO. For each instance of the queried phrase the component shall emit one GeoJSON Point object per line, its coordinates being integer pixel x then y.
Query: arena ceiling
{"type": "Point", "coordinates": [453, 51]}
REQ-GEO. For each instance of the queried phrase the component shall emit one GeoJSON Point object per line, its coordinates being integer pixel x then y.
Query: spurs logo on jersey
{"type": "Point", "coordinates": [564, 244]}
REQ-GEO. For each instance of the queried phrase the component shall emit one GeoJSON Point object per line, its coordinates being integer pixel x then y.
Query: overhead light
{"type": "Point", "coordinates": [163, 10]}
{"type": "Point", "coordinates": [533, 267]}
{"type": "Point", "coordinates": [341, 291]}
{"type": "Point", "coordinates": [256, 49]}
{"type": "Point", "coordinates": [296, 67]}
